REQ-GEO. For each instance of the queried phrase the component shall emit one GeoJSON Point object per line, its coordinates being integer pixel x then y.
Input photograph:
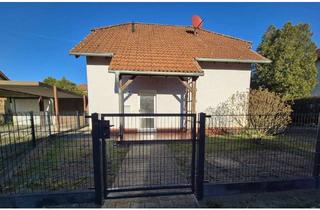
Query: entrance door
{"type": "Point", "coordinates": [147, 106]}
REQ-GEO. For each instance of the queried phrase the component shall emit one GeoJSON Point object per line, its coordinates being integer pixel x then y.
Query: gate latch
{"type": "Point", "coordinates": [105, 129]}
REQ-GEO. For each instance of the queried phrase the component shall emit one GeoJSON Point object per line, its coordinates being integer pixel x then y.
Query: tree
{"type": "Point", "coordinates": [50, 81]}
{"type": "Point", "coordinates": [63, 83]}
{"type": "Point", "coordinates": [292, 72]}
{"type": "Point", "coordinates": [260, 111]}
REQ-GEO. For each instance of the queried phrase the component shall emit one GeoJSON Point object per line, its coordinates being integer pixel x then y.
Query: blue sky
{"type": "Point", "coordinates": [35, 37]}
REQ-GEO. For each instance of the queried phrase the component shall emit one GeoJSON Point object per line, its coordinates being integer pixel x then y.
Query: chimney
{"type": "Point", "coordinates": [133, 29]}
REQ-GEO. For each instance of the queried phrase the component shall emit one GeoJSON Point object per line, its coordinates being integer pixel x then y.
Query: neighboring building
{"type": "Point", "coordinates": [151, 68]}
{"type": "Point", "coordinates": [38, 97]}
{"type": "Point", "coordinates": [316, 90]}
{"type": "Point", "coordinates": [4, 105]}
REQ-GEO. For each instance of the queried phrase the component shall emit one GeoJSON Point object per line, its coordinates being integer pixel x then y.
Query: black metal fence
{"type": "Point", "coordinates": [45, 153]}
{"type": "Point", "coordinates": [41, 152]}
{"type": "Point", "coordinates": [244, 148]}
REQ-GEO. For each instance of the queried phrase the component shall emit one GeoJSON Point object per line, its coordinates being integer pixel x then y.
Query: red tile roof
{"type": "Point", "coordinates": [163, 48]}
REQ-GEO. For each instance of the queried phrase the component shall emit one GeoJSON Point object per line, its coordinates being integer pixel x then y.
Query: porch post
{"type": "Point", "coordinates": [56, 106]}
{"type": "Point", "coordinates": [121, 108]}
{"type": "Point", "coordinates": [84, 98]}
{"type": "Point", "coordinates": [194, 95]}
{"type": "Point", "coordinates": [41, 109]}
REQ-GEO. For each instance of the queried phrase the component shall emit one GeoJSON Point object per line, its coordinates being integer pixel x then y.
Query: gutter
{"type": "Point", "coordinates": [93, 54]}
{"type": "Point", "coordinates": [156, 73]}
{"type": "Point", "coordinates": [232, 60]}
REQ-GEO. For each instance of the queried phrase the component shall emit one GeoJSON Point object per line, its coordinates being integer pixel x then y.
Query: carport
{"type": "Point", "coordinates": [24, 96]}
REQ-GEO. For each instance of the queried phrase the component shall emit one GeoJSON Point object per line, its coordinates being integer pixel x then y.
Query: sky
{"type": "Point", "coordinates": [35, 38]}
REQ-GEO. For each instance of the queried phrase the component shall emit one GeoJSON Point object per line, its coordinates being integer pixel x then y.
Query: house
{"type": "Point", "coordinates": [316, 90]}
{"type": "Point", "coordinates": [152, 68]}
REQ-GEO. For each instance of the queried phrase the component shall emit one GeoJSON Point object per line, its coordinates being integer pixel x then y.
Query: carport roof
{"type": "Point", "coordinates": [23, 89]}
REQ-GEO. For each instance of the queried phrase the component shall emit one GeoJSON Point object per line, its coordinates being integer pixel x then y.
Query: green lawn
{"type": "Point", "coordinates": [115, 154]}
{"type": "Point", "coordinates": [62, 162]}
{"type": "Point", "coordinates": [275, 143]}
{"type": "Point", "coordinates": [232, 158]}
{"type": "Point", "coordinates": [231, 143]}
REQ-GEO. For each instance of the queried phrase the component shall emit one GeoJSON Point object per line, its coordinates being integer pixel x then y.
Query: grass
{"type": "Point", "coordinates": [235, 157]}
{"type": "Point", "coordinates": [230, 143]}
{"type": "Point", "coordinates": [115, 154]}
{"type": "Point", "coordinates": [15, 142]}
{"type": "Point", "coordinates": [61, 162]}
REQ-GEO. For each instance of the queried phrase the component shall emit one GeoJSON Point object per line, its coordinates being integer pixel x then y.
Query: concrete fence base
{"type": "Point", "coordinates": [36, 200]}
{"type": "Point", "coordinates": [256, 187]}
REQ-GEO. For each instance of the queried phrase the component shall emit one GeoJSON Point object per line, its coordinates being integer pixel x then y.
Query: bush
{"type": "Point", "coordinates": [260, 111]}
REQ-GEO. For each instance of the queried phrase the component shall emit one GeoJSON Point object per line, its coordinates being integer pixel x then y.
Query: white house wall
{"type": "Point", "coordinates": [26, 105]}
{"type": "Point", "coordinates": [101, 86]}
{"type": "Point", "coordinates": [220, 81]}
{"type": "Point", "coordinates": [316, 90]}
{"type": "Point", "coordinates": [22, 107]}
{"type": "Point", "coordinates": [103, 96]}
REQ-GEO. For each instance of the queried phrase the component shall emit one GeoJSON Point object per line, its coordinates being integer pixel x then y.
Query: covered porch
{"type": "Point", "coordinates": [150, 95]}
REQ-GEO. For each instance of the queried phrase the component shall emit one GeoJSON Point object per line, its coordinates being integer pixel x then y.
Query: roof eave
{"type": "Point", "coordinates": [232, 60]}
{"type": "Point", "coordinates": [157, 73]}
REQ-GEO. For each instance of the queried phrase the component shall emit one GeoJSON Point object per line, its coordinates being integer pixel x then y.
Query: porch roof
{"type": "Point", "coordinates": [158, 73]}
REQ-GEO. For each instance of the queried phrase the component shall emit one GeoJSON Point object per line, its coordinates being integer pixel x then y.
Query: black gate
{"type": "Point", "coordinates": [143, 152]}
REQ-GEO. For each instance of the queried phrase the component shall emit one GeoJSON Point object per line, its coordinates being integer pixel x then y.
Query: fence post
{"type": "Point", "coordinates": [105, 125]}
{"type": "Point", "coordinates": [97, 159]}
{"type": "Point", "coordinates": [33, 134]}
{"type": "Point", "coordinates": [200, 156]}
{"type": "Point", "coordinates": [194, 139]}
{"type": "Point", "coordinates": [78, 119]}
{"type": "Point", "coordinates": [316, 167]}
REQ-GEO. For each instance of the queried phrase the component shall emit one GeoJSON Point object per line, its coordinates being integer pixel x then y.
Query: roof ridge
{"type": "Point", "coordinates": [109, 26]}
{"type": "Point", "coordinates": [127, 23]}
{"type": "Point", "coordinates": [184, 26]}
{"type": "Point", "coordinates": [225, 35]}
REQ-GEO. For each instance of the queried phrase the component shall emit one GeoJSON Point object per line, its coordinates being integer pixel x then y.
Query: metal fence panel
{"type": "Point", "coordinates": [238, 151]}
{"type": "Point", "coordinates": [60, 158]}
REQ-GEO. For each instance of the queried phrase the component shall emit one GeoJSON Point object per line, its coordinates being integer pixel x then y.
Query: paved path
{"type": "Point", "coordinates": [150, 165]}
{"type": "Point", "coordinates": [174, 201]}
